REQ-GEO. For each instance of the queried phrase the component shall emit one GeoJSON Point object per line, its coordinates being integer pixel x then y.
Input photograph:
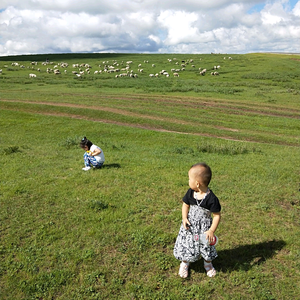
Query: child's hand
{"type": "Point", "coordinates": [186, 224]}
{"type": "Point", "coordinates": [209, 235]}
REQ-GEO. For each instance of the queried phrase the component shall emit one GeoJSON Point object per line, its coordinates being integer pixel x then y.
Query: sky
{"type": "Point", "coordinates": [149, 26]}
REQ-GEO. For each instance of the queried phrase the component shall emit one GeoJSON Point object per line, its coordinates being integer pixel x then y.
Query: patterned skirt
{"type": "Point", "coordinates": [188, 246]}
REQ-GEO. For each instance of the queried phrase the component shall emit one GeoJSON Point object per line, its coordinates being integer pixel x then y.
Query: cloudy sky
{"type": "Point", "coordinates": [149, 26]}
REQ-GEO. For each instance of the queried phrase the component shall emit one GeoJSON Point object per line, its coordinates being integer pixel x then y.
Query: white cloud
{"type": "Point", "coordinates": [191, 26]}
{"type": "Point", "coordinates": [179, 25]}
{"type": "Point", "coordinates": [296, 10]}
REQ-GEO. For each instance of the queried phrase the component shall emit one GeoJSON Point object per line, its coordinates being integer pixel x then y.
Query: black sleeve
{"type": "Point", "coordinates": [188, 198]}
{"type": "Point", "coordinates": [212, 203]}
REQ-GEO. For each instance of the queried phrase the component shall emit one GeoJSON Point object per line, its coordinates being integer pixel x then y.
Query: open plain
{"type": "Point", "coordinates": [109, 233]}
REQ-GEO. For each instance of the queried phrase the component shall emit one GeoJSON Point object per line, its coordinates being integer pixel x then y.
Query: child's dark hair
{"type": "Point", "coordinates": [85, 142]}
{"type": "Point", "coordinates": [204, 172]}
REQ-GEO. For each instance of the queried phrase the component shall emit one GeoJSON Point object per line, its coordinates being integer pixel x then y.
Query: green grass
{"type": "Point", "coordinates": [255, 97]}
{"type": "Point", "coordinates": [109, 233]}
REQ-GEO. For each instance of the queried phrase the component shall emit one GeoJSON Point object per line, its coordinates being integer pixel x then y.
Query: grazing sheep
{"type": "Point", "coordinates": [151, 75]}
{"type": "Point", "coordinates": [203, 72]}
{"type": "Point", "coordinates": [176, 74]}
{"type": "Point", "coordinates": [32, 75]}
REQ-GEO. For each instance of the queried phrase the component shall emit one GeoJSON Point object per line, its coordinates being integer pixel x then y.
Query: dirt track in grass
{"type": "Point", "coordinates": [239, 108]}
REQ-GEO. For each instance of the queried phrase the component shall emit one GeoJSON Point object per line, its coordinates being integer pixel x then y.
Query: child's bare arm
{"type": "Point", "coordinates": [96, 152]}
{"type": "Point", "coordinates": [185, 210]}
{"type": "Point", "coordinates": [214, 226]}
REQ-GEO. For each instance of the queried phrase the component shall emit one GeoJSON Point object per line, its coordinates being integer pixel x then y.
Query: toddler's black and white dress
{"type": "Point", "coordinates": [188, 246]}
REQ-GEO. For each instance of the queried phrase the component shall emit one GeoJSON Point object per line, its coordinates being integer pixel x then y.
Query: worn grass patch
{"type": "Point", "coordinates": [109, 233]}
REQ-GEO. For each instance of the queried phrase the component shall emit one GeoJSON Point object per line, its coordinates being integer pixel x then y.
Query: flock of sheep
{"type": "Point", "coordinates": [122, 69]}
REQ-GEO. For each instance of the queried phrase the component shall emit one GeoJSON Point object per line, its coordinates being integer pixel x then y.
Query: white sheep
{"type": "Point", "coordinates": [203, 72]}
{"type": "Point", "coordinates": [176, 74]}
{"type": "Point", "coordinates": [32, 75]}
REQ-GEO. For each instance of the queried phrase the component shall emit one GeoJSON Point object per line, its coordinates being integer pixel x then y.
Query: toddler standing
{"type": "Point", "coordinates": [199, 205]}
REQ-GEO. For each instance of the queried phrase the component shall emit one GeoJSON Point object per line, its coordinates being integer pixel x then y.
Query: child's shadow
{"type": "Point", "coordinates": [243, 257]}
{"type": "Point", "coordinates": [109, 166]}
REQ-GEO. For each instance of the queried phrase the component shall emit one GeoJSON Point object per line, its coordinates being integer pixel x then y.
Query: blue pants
{"type": "Point", "coordinates": [90, 161]}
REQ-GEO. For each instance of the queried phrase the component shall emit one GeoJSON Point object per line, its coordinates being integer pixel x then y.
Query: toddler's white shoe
{"type": "Point", "coordinates": [184, 270]}
{"type": "Point", "coordinates": [86, 168]}
{"type": "Point", "coordinates": [210, 270]}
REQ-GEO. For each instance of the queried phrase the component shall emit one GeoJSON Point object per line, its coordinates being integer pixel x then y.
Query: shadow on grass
{"type": "Point", "coordinates": [244, 257]}
{"type": "Point", "coordinates": [109, 166]}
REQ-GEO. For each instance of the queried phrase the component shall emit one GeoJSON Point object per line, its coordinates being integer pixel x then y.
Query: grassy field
{"type": "Point", "coordinates": [109, 233]}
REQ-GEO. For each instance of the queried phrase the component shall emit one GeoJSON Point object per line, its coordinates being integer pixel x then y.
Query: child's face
{"type": "Point", "coordinates": [193, 183]}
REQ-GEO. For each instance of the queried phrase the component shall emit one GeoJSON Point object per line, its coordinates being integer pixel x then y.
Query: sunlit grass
{"type": "Point", "coordinates": [109, 233]}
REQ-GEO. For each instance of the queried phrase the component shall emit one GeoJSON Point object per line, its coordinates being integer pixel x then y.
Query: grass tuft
{"type": "Point", "coordinates": [11, 150]}
{"type": "Point", "coordinates": [226, 149]}
{"type": "Point", "coordinates": [70, 142]}
{"type": "Point", "coordinates": [97, 205]}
